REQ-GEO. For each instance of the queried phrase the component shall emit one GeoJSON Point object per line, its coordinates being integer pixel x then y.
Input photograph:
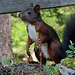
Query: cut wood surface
{"type": "Point", "coordinates": [7, 6]}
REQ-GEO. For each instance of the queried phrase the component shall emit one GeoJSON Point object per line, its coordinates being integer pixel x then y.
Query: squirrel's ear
{"type": "Point", "coordinates": [31, 5]}
{"type": "Point", "coordinates": [37, 8]}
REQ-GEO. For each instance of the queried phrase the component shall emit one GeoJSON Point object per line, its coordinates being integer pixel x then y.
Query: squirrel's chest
{"type": "Point", "coordinates": [32, 32]}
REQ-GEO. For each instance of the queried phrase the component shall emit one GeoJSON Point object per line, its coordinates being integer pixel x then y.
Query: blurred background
{"type": "Point", "coordinates": [55, 17]}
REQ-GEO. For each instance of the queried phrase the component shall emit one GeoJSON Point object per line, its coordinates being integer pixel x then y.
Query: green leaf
{"type": "Point", "coordinates": [70, 55]}
{"type": "Point", "coordinates": [37, 34]}
{"type": "Point", "coordinates": [71, 42]}
{"type": "Point", "coordinates": [7, 62]}
{"type": "Point", "coordinates": [11, 68]}
{"type": "Point", "coordinates": [68, 51]}
{"type": "Point", "coordinates": [47, 69]}
{"type": "Point", "coordinates": [34, 73]}
{"type": "Point", "coordinates": [62, 60]}
{"type": "Point", "coordinates": [71, 47]}
{"type": "Point", "coordinates": [57, 68]}
{"type": "Point", "coordinates": [47, 65]}
{"type": "Point", "coordinates": [74, 51]}
{"type": "Point", "coordinates": [48, 72]}
{"type": "Point", "coordinates": [10, 53]}
{"type": "Point", "coordinates": [0, 59]}
{"type": "Point", "coordinates": [53, 68]}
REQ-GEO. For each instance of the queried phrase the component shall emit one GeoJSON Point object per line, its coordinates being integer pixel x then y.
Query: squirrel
{"type": "Point", "coordinates": [52, 48]}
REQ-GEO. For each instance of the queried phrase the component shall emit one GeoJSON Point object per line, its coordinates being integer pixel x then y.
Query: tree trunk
{"type": "Point", "coordinates": [5, 38]}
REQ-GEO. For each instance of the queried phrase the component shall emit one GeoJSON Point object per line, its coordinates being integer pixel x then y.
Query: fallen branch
{"type": "Point", "coordinates": [65, 70]}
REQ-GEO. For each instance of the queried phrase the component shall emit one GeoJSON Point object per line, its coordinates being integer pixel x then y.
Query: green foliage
{"type": "Point", "coordinates": [37, 34]}
{"type": "Point", "coordinates": [71, 47]}
{"type": "Point", "coordinates": [47, 68]}
{"type": "Point", "coordinates": [18, 57]}
{"type": "Point", "coordinates": [10, 53]}
{"type": "Point", "coordinates": [71, 52]}
{"type": "Point", "coordinates": [52, 69]}
{"type": "Point", "coordinates": [69, 60]}
{"type": "Point", "coordinates": [15, 14]}
{"type": "Point", "coordinates": [8, 63]}
{"type": "Point", "coordinates": [68, 51]}
{"type": "Point", "coordinates": [19, 34]}
{"type": "Point", "coordinates": [34, 73]}
{"type": "Point", "coordinates": [0, 59]}
{"type": "Point", "coordinates": [56, 68]}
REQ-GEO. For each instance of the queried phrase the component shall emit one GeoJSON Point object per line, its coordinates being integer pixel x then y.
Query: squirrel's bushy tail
{"type": "Point", "coordinates": [69, 33]}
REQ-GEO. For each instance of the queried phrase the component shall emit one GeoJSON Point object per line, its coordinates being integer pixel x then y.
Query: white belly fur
{"type": "Point", "coordinates": [32, 34]}
{"type": "Point", "coordinates": [44, 49]}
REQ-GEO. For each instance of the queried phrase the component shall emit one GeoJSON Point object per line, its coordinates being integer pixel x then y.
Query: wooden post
{"type": "Point", "coordinates": [5, 38]}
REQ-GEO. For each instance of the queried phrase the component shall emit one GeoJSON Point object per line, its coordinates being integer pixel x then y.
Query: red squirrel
{"type": "Point", "coordinates": [51, 46]}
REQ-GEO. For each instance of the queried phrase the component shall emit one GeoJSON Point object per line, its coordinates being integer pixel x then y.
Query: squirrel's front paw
{"type": "Point", "coordinates": [28, 53]}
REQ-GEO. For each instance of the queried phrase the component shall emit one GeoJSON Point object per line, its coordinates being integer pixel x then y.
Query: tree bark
{"type": "Point", "coordinates": [5, 38]}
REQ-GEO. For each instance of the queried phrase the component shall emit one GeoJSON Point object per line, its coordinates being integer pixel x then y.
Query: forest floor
{"type": "Point", "coordinates": [33, 69]}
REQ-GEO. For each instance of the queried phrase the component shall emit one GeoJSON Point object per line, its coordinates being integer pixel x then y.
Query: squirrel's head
{"type": "Point", "coordinates": [31, 14]}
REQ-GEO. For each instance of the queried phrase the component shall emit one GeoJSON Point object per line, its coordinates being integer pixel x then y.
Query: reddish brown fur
{"type": "Point", "coordinates": [46, 34]}
{"type": "Point", "coordinates": [55, 51]}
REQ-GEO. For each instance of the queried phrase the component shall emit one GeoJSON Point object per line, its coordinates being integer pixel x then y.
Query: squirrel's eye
{"type": "Point", "coordinates": [29, 12]}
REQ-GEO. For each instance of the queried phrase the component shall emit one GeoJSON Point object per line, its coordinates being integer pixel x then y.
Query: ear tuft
{"type": "Point", "coordinates": [37, 8]}
{"type": "Point", "coordinates": [31, 5]}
